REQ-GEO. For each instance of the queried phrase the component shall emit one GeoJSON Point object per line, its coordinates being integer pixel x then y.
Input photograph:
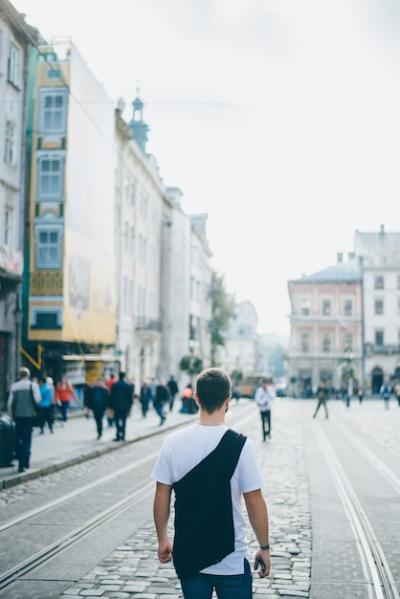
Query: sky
{"type": "Point", "coordinates": [279, 118]}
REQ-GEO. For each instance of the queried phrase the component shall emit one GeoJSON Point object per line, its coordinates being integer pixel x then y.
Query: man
{"type": "Point", "coordinates": [263, 399]}
{"type": "Point", "coordinates": [161, 398]}
{"type": "Point", "coordinates": [173, 391]}
{"type": "Point", "coordinates": [385, 393]}
{"type": "Point", "coordinates": [121, 402]}
{"type": "Point", "coordinates": [322, 397]}
{"type": "Point", "coordinates": [397, 392]}
{"type": "Point", "coordinates": [210, 467]}
{"type": "Point", "coordinates": [24, 396]}
{"type": "Point", "coordinates": [98, 399]}
{"type": "Point", "coordinates": [145, 398]}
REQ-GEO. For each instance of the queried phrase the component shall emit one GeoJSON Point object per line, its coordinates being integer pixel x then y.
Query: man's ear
{"type": "Point", "coordinates": [196, 399]}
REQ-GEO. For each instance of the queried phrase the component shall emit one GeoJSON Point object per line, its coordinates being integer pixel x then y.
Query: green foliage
{"type": "Point", "coordinates": [191, 364]}
{"type": "Point", "coordinates": [237, 376]}
{"type": "Point", "coordinates": [223, 309]}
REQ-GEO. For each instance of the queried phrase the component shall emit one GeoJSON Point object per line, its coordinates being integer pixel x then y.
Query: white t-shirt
{"type": "Point", "coordinates": [182, 451]}
{"type": "Point", "coordinates": [263, 399]}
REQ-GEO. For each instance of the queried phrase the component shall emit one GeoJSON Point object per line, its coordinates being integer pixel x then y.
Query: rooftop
{"type": "Point", "coordinates": [342, 272]}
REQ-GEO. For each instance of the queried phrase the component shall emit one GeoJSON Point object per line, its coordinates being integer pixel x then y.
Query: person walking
{"type": "Point", "coordinates": [173, 391]}
{"type": "Point", "coordinates": [109, 383]}
{"type": "Point", "coordinates": [360, 394]}
{"type": "Point", "coordinates": [385, 393]}
{"type": "Point", "coordinates": [397, 392]}
{"type": "Point", "coordinates": [98, 401]}
{"type": "Point", "coordinates": [121, 402]}
{"type": "Point", "coordinates": [161, 399]}
{"type": "Point", "coordinates": [145, 398]}
{"type": "Point", "coordinates": [64, 393]}
{"type": "Point", "coordinates": [210, 468]}
{"type": "Point", "coordinates": [263, 399]}
{"type": "Point", "coordinates": [23, 403]}
{"type": "Point", "coordinates": [46, 404]}
{"type": "Point", "coordinates": [187, 397]}
{"type": "Point", "coordinates": [322, 398]}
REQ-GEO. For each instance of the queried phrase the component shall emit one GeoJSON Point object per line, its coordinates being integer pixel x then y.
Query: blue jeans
{"type": "Point", "coordinates": [201, 586]}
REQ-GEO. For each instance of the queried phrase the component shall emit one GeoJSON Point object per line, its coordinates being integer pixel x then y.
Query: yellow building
{"type": "Point", "coordinates": [71, 306]}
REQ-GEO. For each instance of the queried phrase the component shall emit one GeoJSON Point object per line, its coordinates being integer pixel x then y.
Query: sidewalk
{"type": "Point", "coordinates": [77, 441]}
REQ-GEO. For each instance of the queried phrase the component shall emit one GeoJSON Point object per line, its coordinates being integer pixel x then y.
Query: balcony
{"type": "Point", "coordinates": [383, 350]}
{"type": "Point", "coordinates": [148, 325]}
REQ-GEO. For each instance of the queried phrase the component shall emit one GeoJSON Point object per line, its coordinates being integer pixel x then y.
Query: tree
{"type": "Point", "coordinates": [192, 365]}
{"type": "Point", "coordinates": [222, 310]}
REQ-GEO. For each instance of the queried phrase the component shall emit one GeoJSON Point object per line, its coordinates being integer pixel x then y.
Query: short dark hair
{"type": "Point", "coordinates": [213, 386]}
{"type": "Point", "coordinates": [121, 376]}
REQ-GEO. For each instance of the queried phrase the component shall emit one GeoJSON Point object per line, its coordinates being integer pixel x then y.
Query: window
{"type": "Point", "coordinates": [348, 307]}
{"type": "Point", "coordinates": [305, 342]}
{"type": "Point", "coordinates": [378, 306]}
{"type": "Point", "coordinates": [8, 226]}
{"type": "Point", "coordinates": [379, 282]}
{"type": "Point", "coordinates": [326, 307]}
{"type": "Point", "coordinates": [1, 52]}
{"type": "Point", "coordinates": [305, 308]}
{"type": "Point", "coordinates": [348, 342]}
{"type": "Point", "coordinates": [53, 111]}
{"type": "Point", "coordinates": [398, 306]}
{"type": "Point", "coordinates": [9, 143]}
{"type": "Point", "coordinates": [326, 343]}
{"type": "Point", "coordinates": [13, 66]}
{"type": "Point", "coordinates": [48, 247]}
{"type": "Point", "coordinates": [46, 319]}
{"type": "Point", "coordinates": [50, 177]}
{"type": "Point", "coordinates": [379, 338]}
{"type": "Point", "coordinates": [398, 281]}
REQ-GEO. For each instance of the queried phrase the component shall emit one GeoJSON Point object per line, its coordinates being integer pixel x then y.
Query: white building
{"type": "Point", "coordinates": [380, 256]}
{"type": "Point", "coordinates": [140, 197]}
{"type": "Point", "coordinates": [175, 284]}
{"type": "Point", "coordinates": [240, 350]}
{"type": "Point", "coordinates": [200, 287]}
{"type": "Point", "coordinates": [16, 39]}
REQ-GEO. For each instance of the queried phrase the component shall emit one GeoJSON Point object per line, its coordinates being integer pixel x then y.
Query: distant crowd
{"type": "Point", "coordinates": [39, 401]}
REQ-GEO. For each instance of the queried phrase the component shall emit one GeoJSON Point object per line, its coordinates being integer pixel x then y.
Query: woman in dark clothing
{"type": "Point", "coordinates": [145, 398]}
{"type": "Point", "coordinates": [162, 398]}
{"type": "Point", "coordinates": [98, 399]}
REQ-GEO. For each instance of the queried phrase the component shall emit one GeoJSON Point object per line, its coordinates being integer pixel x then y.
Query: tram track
{"type": "Point", "coordinates": [377, 572]}
{"type": "Point", "coordinates": [62, 543]}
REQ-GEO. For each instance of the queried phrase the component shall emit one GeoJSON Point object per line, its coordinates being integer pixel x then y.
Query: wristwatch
{"type": "Point", "coordinates": [264, 547]}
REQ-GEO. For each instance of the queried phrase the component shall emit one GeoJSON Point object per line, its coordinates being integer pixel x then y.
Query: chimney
{"type": "Point", "coordinates": [340, 257]}
{"type": "Point", "coordinates": [382, 230]}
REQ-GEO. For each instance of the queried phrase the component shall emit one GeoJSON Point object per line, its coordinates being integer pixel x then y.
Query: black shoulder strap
{"type": "Point", "coordinates": [233, 444]}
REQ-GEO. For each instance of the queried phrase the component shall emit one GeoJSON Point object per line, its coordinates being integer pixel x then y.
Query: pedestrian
{"type": "Point", "coordinates": [23, 404]}
{"type": "Point", "coordinates": [64, 393]}
{"type": "Point", "coordinates": [187, 397]}
{"type": "Point", "coordinates": [210, 467]}
{"type": "Point", "coordinates": [121, 401]}
{"type": "Point", "coordinates": [385, 393]}
{"type": "Point", "coordinates": [397, 392]}
{"type": "Point", "coordinates": [263, 399]}
{"type": "Point", "coordinates": [173, 391]}
{"type": "Point", "coordinates": [322, 394]}
{"type": "Point", "coordinates": [97, 402]}
{"type": "Point", "coordinates": [360, 394]}
{"type": "Point", "coordinates": [109, 383]}
{"type": "Point", "coordinates": [161, 399]}
{"type": "Point", "coordinates": [46, 405]}
{"type": "Point", "coordinates": [145, 398]}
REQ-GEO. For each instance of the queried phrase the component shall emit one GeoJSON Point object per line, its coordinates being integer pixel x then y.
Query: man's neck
{"type": "Point", "coordinates": [214, 419]}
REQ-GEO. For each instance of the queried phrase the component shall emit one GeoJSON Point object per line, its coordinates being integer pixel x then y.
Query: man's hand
{"type": "Point", "coordinates": [165, 551]}
{"type": "Point", "coordinates": [265, 556]}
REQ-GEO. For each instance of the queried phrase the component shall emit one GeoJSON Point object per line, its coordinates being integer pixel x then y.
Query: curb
{"type": "Point", "coordinates": [17, 479]}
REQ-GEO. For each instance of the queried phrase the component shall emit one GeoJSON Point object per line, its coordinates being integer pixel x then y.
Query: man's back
{"type": "Point", "coordinates": [184, 450]}
{"type": "Point", "coordinates": [22, 395]}
{"type": "Point", "coordinates": [121, 396]}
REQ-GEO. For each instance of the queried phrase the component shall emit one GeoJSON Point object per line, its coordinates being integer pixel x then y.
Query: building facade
{"type": "Point", "coordinates": [17, 40]}
{"type": "Point", "coordinates": [70, 308]}
{"type": "Point", "coordinates": [200, 287]}
{"type": "Point", "coordinates": [379, 253]}
{"type": "Point", "coordinates": [175, 284]}
{"type": "Point", "coordinates": [326, 339]}
{"type": "Point", "coordinates": [240, 350]}
{"type": "Point", "coordinates": [139, 221]}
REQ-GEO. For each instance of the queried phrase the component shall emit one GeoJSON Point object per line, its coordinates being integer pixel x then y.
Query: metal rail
{"type": "Point", "coordinates": [376, 568]}
{"type": "Point", "coordinates": [75, 535]}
